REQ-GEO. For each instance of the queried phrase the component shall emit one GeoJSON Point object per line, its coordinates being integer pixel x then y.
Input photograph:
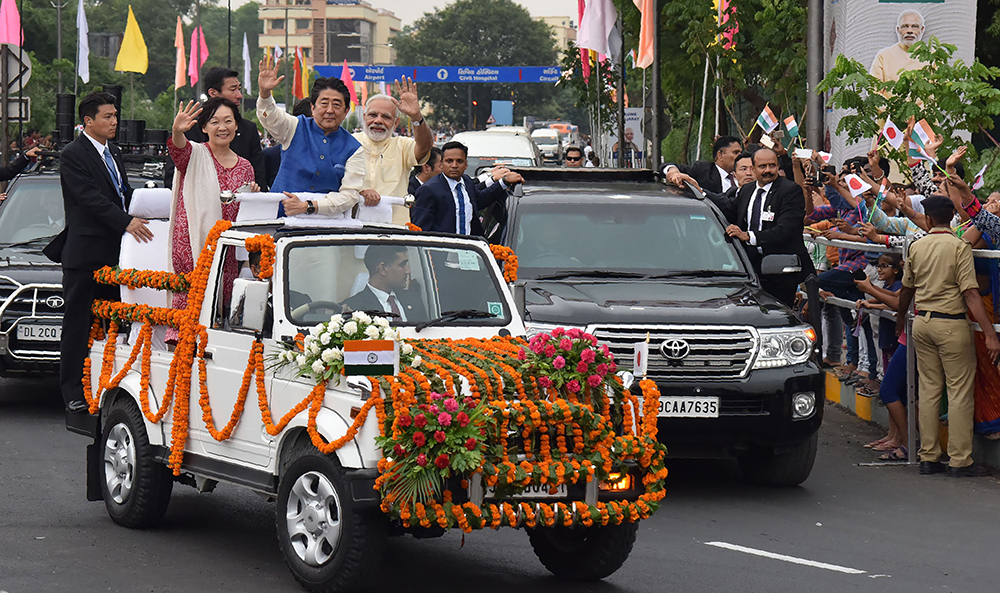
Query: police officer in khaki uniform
{"type": "Point", "coordinates": [939, 274]}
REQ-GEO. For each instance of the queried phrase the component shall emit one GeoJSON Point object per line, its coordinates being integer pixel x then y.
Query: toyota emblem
{"type": "Point", "coordinates": [675, 349]}
{"type": "Point", "coordinates": [55, 302]}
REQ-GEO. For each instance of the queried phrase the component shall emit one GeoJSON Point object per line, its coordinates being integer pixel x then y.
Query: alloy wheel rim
{"type": "Point", "coordinates": [119, 463]}
{"type": "Point", "coordinates": [313, 518]}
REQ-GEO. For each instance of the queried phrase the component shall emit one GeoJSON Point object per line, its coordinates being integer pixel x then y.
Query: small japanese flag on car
{"type": "Point", "coordinates": [371, 357]}
{"type": "Point", "coordinates": [640, 358]}
{"type": "Point", "coordinates": [856, 185]}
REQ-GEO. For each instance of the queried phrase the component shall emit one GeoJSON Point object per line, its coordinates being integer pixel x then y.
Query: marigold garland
{"type": "Point", "coordinates": [505, 255]}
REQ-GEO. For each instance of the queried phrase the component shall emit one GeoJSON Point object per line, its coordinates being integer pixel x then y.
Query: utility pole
{"type": "Point", "coordinates": [59, 8]}
{"type": "Point", "coordinates": [229, 41]}
{"type": "Point", "coordinates": [289, 102]}
{"type": "Point", "coordinates": [814, 74]}
{"type": "Point", "coordinates": [197, 49]}
{"type": "Point", "coordinates": [655, 119]}
{"type": "Point", "coordinates": [469, 87]}
{"type": "Point", "coordinates": [621, 97]}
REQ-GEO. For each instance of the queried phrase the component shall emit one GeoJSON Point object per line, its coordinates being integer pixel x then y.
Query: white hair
{"type": "Point", "coordinates": [382, 97]}
{"type": "Point", "coordinates": [909, 11]}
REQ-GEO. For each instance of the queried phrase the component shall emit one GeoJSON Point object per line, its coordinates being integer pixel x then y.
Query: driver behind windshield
{"type": "Point", "coordinates": [388, 279]}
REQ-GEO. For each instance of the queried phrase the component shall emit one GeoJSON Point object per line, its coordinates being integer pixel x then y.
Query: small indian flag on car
{"type": "Point", "coordinates": [767, 120]}
{"type": "Point", "coordinates": [792, 126]}
{"type": "Point", "coordinates": [371, 357]}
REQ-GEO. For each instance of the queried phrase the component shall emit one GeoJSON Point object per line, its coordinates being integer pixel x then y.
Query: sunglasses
{"type": "Point", "coordinates": [573, 158]}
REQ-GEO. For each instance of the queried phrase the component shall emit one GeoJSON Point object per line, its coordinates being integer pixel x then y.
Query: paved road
{"type": "Point", "coordinates": [905, 532]}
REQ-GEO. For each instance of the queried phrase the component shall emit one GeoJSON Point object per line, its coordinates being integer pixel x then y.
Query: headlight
{"type": "Point", "coordinates": [784, 347]}
{"type": "Point", "coordinates": [533, 328]}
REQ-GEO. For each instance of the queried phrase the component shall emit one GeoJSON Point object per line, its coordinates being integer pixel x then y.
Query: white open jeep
{"type": "Point", "coordinates": [158, 412]}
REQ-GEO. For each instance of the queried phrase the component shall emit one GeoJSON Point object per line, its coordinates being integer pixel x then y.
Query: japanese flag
{"type": "Point", "coordinates": [856, 185]}
{"type": "Point", "coordinates": [892, 134]}
{"type": "Point", "coordinates": [978, 183]}
{"type": "Point", "coordinates": [825, 156]}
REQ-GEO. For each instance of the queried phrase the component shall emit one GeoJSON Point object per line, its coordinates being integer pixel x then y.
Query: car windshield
{"type": "Point", "coordinates": [33, 210]}
{"type": "Point", "coordinates": [621, 237]}
{"type": "Point", "coordinates": [425, 280]}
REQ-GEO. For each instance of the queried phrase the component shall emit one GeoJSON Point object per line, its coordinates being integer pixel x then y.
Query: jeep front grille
{"type": "Point", "coordinates": [716, 353]}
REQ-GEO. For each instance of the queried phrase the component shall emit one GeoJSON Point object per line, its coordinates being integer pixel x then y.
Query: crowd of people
{"type": "Point", "coordinates": [940, 219]}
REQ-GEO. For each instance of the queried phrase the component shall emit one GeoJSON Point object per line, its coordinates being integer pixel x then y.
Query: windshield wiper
{"type": "Point", "coordinates": [588, 274]}
{"type": "Point", "coordinates": [452, 315]}
{"type": "Point", "coordinates": [699, 274]}
{"type": "Point", "coordinates": [28, 242]}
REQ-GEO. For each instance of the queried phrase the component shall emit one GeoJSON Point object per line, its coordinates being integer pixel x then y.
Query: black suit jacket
{"type": "Point", "coordinates": [95, 217]}
{"type": "Point", "coordinates": [413, 185]}
{"type": "Point", "coordinates": [246, 144]}
{"type": "Point", "coordinates": [782, 234]}
{"type": "Point", "coordinates": [16, 166]}
{"type": "Point", "coordinates": [367, 301]}
{"type": "Point", "coordinates": [434, 208]}
{"type": "Point", "coordinates": [705, 173]}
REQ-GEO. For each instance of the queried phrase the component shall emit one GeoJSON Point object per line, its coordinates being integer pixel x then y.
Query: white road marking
{"type": "Point", "coordinates": [784, 558]}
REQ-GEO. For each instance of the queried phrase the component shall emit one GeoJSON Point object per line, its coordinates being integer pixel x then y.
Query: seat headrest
{"type": "Point", "coordinates": [150, 203]}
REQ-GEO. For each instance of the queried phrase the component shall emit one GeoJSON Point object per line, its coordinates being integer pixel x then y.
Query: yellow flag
{"type": "Point", "coordinates": [132, 56]}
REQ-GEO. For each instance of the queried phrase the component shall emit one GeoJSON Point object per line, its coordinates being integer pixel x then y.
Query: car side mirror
{"type": "Point", "coordinates": [780, 263]}
{"type": "Point", "coordinates": [248, 306]}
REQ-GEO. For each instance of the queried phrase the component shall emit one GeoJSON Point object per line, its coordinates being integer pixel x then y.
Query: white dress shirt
{"type": "Point", "coordinates": [727, 180]}
{"type": "Point", "coordinates": [383, 299]}
{"type": "Point", "coordinates": [453, 184]}
{"type": "Point", "coordinates": [750, 208]}
{"type": "Point", "coordinates": [100, 146]}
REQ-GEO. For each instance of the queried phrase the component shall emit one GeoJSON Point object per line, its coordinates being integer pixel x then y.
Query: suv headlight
{"type": "Point", "coordinates": [784, 347]}
{"type": "Point", "coordinates": [533, 328]}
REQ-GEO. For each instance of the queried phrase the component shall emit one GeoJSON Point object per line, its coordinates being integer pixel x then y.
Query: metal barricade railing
{"type": "Point", "coordinates": [911, 356]}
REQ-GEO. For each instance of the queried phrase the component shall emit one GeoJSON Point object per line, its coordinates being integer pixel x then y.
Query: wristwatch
{"type": "Point", "coordinates": [310, 207]}
{"type": "Point", "coordinates": [417, 123]}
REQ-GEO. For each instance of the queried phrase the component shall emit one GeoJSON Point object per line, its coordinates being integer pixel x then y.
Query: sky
{"type": "Point", "coordinates": [411, 10]}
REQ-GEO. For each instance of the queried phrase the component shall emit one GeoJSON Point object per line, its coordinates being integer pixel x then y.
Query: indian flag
{"type": "Point", "coordinates": [917, 153]}
{"type": "Point", "coordinates": [892, 134]}
{"type": "Point", "coordinates": [922, 133]}
{"type": "Point", "coordinates": [371, 357]}
{"type": "Point", "coordinates": [766, 120]}
{"type": "Point", "coordinates": [792, 126]}
{"type": "Point", "coordinates": [978, 183]}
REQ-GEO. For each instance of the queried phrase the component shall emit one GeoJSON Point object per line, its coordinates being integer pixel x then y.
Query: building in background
{"type": "Point", "coordinates": [330, 31]}
{"type": "Point", "coordinates": [563, 30]}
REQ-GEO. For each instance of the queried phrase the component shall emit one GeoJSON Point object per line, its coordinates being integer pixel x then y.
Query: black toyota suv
{"type": "Point", "coordinates": [630, 259]}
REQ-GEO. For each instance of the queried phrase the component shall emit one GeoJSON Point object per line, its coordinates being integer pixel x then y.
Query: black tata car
{"type": "Point", "coordinates": [630, 260]}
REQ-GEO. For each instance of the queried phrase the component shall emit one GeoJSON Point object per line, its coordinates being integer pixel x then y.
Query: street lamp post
{"type": "Point", "coordinates": [288, 75]}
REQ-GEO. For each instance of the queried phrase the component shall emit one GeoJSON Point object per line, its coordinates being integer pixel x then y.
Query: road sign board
{"type": "Point", "coordinates": [18, 67]}
{"type": "Point", "coordinates": [19, 109]}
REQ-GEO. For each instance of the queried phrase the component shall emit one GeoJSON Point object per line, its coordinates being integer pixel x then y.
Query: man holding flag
{"type": "Point", "coordinates": [223, 82]}
{"type": "Point", "coordinates": [317, 155]}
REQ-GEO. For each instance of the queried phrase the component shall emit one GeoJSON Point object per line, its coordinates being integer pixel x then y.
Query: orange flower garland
{"type": "Point", "coordinates": [505, 255]}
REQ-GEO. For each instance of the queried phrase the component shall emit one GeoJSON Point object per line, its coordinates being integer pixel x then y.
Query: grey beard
{"type": "Point", "coordinates": [377, 136]}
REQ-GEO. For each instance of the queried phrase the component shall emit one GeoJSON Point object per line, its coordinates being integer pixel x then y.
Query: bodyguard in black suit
{"type": "Point", "coordinates": [96, 195]}
{"type": "Point", "coordinates": [450, 202]}
{"type": "Point", "coordinates": [716, 175]}
{"type": "Point", "coordinates": [388, 277]}
{"type": "Point", "coordinates": [768, 217]}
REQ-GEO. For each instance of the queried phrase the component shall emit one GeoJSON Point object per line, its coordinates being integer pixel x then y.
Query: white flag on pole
{"type": "Point", "coordinates": [246, 65]}
{"type": "Point", "coordinates": [599, 18]}
{"type": "Point", "coordinates": [82, 44]}
{"type": "Point", "coordinates": [277, 52]}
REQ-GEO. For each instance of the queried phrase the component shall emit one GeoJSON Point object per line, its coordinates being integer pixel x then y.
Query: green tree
{"type": "Point", "coordinates": [480, 33]}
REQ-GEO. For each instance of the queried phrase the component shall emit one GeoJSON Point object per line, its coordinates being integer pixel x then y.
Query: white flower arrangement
{"type": "Point", "coordinates": [320, 355]}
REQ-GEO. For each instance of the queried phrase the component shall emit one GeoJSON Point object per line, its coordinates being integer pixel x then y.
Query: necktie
{"type": "Point", "coordinates": [461, 209]}
{"type": "Point", "coordinates": [732, 179]}
{"type": "Point", "coordinates": [393, 307]}
{"type": "Point", "coordinates": [758, 205]}
{"type": "Point", "coordinates": [110, 163]}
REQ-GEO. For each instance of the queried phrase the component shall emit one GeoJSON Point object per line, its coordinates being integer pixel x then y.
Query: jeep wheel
{"type": "Point", "coordinates": [327, 544]}
{"type": "Point", "coordinates": [789, 468]}
{"type": "Point", "coordinates": [583, 553]}
{"type": "Point", "coordinates": [136, 488]}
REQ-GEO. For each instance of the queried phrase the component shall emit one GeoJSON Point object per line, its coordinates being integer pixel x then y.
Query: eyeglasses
{"type": "Point", "coordinates": [573, 158]}
{"type": "Point", "coordinates": [883, 266]}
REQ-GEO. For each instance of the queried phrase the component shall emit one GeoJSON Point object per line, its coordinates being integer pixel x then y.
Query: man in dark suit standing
{"type": "Point", "coordinates": [224, 82]}
{"type": "Point", "coordinates": [449, 203]}
{"type": "Point", "coordinates": [386, 291]}
{"type": "Point", "coordinates": [715, 176]}
{"type": "Point", "coordinates": [768, 217]}
{"type": "Point", "coordinates": [96, 195]}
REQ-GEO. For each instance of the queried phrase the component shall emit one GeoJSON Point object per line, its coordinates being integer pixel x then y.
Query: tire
{"type": "Point", "coordinates": [791, 468]}
{"type": "Point", "coordinates": [136, 488]}
{"type": "Point", "coordinates": [583, 553]}
{"type": "Point", "coordinates": [325, 558]}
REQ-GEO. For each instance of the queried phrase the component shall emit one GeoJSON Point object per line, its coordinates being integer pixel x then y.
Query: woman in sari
{"type": "Point", "coordinates": [203, 172]}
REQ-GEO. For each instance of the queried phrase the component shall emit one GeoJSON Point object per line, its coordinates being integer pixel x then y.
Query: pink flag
{"type": "Point", "coordinates": [10, 23]}
{"type": "Point", "coordinates": [584, 54]}
{"type": "Point", "coordinates": [194, 65]}
{"type": "Point", "coordinates": [345, 76]}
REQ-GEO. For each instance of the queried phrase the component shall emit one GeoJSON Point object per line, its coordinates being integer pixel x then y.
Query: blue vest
{"type": "Point", "coordinates": [314, 161]}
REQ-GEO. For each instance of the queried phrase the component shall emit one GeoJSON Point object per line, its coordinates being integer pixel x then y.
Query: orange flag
{"type": "Point", "coordinates": [180, 75]}
{"type": "Point", "coordinates": [345, 75]}
{"type": "Point", "coordinates": [297, 77]}
{"type": "Point", "coordinates": [644, 57]}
